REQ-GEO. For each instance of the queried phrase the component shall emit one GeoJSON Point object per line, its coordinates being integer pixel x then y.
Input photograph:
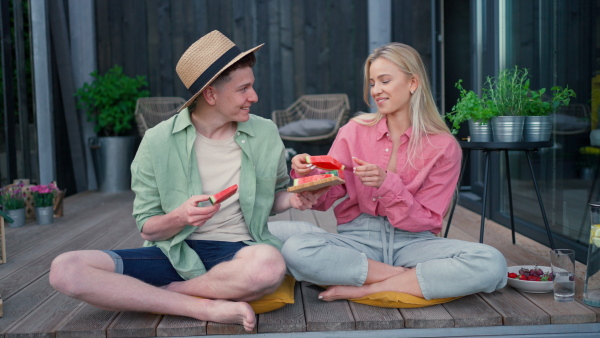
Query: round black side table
{"type": "Point", "coordinates": [488, 147]}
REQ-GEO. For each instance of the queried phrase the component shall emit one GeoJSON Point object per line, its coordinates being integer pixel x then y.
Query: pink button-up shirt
{"type": "Point", "coordinates": [414, 198]}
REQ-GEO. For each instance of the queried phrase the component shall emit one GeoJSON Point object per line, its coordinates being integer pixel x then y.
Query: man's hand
{"type": "Point", "coordinates": [189, 213]}
{"type": "Point", "coordinates": [369, 174]}
{"type": "Point", "coordinates": [300, 166]}
{"type": "Point", "coordinates": [306, 199]}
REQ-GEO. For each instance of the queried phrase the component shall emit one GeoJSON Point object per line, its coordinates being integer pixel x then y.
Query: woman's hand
{"type": "Point", "coordinates": [369, 174]}
{"type": "Point", "coordinates": [300, 166]}
{"type": "Point", "coordinates": [306, 199]}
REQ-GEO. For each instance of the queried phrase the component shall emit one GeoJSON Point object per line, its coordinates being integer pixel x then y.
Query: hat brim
{"type": "Point", "coordinates": [234, 60]}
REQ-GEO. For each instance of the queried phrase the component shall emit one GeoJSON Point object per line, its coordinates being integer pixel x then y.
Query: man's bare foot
{"type": "Point", "coordinates": [344, 292]}
{"type": "Point", "coordinates": [227, 312]}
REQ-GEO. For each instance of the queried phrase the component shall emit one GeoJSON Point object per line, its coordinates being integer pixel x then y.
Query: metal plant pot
{"type": "Point", "coordinates": [537, 128]}
{"type": "Point", "coordinates": [18, 216]}
{"type": "Point", "coordinates": [508, 128]}
{"type": "Point", "coordinates": [44, 215]}
{"type": "Point", "coordinates": [112, 161]}
{"type": "Point", "coordinates": [480, 131]}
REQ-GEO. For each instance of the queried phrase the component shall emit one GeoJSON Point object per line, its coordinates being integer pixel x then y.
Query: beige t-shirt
{"type": "Point", "coordinates": [219, 163]}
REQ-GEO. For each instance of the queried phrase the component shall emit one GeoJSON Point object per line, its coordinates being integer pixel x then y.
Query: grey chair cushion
{"type": "Point", "coordinates": [306, 128]}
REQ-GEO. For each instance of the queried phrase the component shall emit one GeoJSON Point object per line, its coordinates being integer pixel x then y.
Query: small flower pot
{"type": "Point", "coordinates": [44, 215]}
{"type": "Point", "coordinates": [18, 216]}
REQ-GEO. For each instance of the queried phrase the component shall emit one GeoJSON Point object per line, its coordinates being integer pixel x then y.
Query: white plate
{"type": "Point", "coordinates": [528, 285]}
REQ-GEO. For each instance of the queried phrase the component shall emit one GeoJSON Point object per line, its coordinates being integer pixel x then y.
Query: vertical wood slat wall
{"type": "Point", "coordinates": [311, 46]}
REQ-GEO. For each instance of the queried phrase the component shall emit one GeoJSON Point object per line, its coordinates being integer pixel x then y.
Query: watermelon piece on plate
{"type": "Point", "coordinates": [325, 162]}
{"type": "Point", "coordinates": [338, 173]}
{"type": "Point", "coordinates": [307, 179]}
{"type": "Point", "coordinates": [317, 184]}
{"type": "Point", "coordinates": [223, 195]}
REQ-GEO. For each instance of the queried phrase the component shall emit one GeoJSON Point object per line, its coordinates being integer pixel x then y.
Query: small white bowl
{"type": "Point", "coordinates": [529, 285]}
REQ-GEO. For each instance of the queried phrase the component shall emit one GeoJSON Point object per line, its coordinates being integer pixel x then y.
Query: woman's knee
{"type": "Point", "coordinates": [492, 269]}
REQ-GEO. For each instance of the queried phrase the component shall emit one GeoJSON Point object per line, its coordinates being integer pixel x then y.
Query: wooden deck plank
{"type": "Point", "coordinates": [514, 308]}
{"type": "Point", "coordinates": [178, 326]}
{"type": "Point", "coordinates": [104, 238]}
{"type": "Point", "coordinates": [134, 324]}
{"type": "Point", "coordinates": [369, 317]}
{"type": "Point", "coordinates": [36, 261]}
{"type": "Point", "coordinates": [561, 313]}
{"type": "Point", "coordinates": [325, 316]}
{"type": "Point", "coordinates": [221, 329]}
{"type": "Point", "coordinates": [87, 321]}
{"type": "Point", "coordinates": [43, 320]}
{"type": "Point", "coordinates": [289, 318]}
{"type": "Point", "coordinates": [434, 316]}
{"type": "Point", "coordinates": [472, 311]}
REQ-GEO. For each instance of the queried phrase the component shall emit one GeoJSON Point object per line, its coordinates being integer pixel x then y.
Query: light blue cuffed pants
{"type": "Point", "coordinates": [445, 267]}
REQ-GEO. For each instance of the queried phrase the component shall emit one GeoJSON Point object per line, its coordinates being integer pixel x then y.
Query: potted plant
{"type": "Point", "coordinates": [474, 109]}
{"type": "Point", "coordinates": [110, 102]}
{"type": "Point", "coordinates": [43, 200]}
{"type": "Point", "coordinates": [538, 121]}
{"type": "Point", "coordinates": [509, 92]}
{"type": "Point", "coordinates": [12, 198]}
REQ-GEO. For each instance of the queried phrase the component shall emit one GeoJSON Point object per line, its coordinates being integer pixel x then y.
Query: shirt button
{"type": "Point", "coordinates": [386, 150]}
{"type": "Point", "coordinates": [374, 199]}
{"type": "Point", "coordinates": [243, 141]}
{"type": "Point", "coordinates": [387, 134]}
{"type": "Point", "coordinates": [238, 132]}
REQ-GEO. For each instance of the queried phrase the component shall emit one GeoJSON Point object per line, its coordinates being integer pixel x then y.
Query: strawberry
{"type": "Point", "coordinates": [512, 275]}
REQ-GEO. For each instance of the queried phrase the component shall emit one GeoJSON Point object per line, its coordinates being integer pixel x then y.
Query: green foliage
{"type": "Point", "coordinates": [470, 106]}
{"type": "Point", "coordinates": [110, 100]}
{"type": "Point", "coordinates": [510, 91]}
{"type": "Point", "coordinates": [539, 106]}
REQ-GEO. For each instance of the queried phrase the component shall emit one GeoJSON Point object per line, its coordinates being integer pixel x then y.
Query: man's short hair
{"type": "Point", "coordinates": [247, 61]}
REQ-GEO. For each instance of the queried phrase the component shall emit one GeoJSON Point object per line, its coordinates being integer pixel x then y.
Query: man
{"type": "Point", "coordinates": [224, 252]}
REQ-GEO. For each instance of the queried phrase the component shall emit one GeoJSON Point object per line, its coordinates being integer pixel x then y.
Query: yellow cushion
{"type": "Point", "coordinates": [398, 300]}
{"type": "Point", "coordinates": [273, 301]}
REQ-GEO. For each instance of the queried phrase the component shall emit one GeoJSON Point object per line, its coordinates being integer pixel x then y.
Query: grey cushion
{"type": "Point", "coordinates": [306, 128]}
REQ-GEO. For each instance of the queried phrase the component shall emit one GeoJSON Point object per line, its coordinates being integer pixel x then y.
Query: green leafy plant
{"type": "Point", "coordinates": [470, 106]}
{"type": "Point", "coordinates": [539, 105]}
{"type": "Point", "coordinates": [43, 195]}
{"type": "Point", "coordinates": [509, 91]}
{"type": "Point", "coordinates": [12, 196]}
{"type": "Point", "coordinates": [110, 100]}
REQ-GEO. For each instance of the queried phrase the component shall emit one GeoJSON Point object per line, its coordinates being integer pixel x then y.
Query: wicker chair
{"type": "Point", "coordinates": [328, 112]}
{"type": "Point", "coordinates": [573, 119]}
{"type": "Point", "coordinates": [150, 111]}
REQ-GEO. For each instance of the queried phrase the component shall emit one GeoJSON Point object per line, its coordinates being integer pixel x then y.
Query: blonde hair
{"type": "Point", "coordinates": [424, 115]}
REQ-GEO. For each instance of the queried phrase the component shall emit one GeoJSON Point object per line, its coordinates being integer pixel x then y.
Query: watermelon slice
{"type": "Point", "coordinates": [325, 162]}
{"type": "Point", "coordinates": [307, 179]}
{"type": "Point", "coordinates": [338, 173]}
{"type": "Point", "coordinates": [223, 195]}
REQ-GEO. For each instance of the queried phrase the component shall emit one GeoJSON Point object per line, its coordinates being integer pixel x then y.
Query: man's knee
{"type": "Point", "coordinates": [266, 266]}
{"type": "Point", "coordinates": [63, 272]}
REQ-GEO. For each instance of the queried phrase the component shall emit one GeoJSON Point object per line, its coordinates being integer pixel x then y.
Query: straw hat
{"type": "Point", "coordinates": [205, 60]}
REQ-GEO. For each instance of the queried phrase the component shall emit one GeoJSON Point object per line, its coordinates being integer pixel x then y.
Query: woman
{"type": "Point", "coordinates": [405, 167]}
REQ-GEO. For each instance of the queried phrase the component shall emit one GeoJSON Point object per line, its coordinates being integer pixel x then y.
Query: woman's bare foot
{"type": "Point", "coordinates": [344, 292]}
{"type": "Point", "coordinates": [227, 312]}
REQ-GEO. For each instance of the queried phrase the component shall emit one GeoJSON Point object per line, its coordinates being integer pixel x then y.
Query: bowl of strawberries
{"type": "Point", "coordinates": [530, 278]}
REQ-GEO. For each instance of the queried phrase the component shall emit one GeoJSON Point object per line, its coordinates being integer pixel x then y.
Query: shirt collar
{"type": "Point", "coordinates": [184, 120]}
{"type": "Point", "coordinates": [381, 129]}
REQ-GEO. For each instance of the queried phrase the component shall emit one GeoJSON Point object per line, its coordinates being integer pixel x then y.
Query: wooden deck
{"type": "Point", "coordinates": [93, 220]}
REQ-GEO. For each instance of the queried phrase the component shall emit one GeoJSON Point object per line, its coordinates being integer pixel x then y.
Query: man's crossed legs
{"type": "Point", "coordinates": [253, 272]}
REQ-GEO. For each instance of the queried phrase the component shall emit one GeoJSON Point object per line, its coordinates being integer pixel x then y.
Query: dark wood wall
{"type": "Point", "coordinates": [311, 46]}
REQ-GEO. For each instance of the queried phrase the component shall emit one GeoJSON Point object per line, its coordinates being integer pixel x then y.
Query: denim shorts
{"type": "Point", "coordinates": [150, 265]}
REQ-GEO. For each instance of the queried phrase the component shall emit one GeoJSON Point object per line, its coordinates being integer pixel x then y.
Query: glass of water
{"type": "Point", "coordinates": [563, 271]}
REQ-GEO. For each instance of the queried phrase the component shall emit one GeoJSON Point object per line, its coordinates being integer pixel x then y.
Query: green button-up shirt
{"type": "Point", "coordinates": [164, 174]}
